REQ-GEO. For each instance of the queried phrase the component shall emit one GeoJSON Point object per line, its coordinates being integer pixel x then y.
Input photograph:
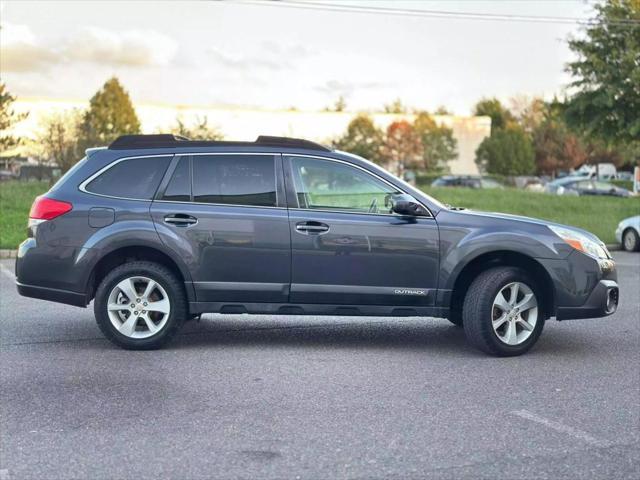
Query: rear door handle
{"type": "Point", "coordinates": [180, 220]}
{"type": "Point", "coordinates": [312, 228]}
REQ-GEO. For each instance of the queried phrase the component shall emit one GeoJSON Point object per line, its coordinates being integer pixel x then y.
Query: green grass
{"type": "Point", "coordinates": [15, 201]}
{"type": "Point", "coordinates": [599, 215]}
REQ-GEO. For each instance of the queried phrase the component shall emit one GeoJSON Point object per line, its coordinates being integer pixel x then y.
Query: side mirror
{"type": "Point", "coordinates": [404, 204]}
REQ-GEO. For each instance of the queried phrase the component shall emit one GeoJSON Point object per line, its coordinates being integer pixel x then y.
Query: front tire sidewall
{"type": "Point", "coordinates": [478, 306]}
{"type": "Point", "coordinates": [160, 275]}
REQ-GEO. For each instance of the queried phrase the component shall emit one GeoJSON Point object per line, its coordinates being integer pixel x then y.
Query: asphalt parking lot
{"type": "Point", "coordinates": [313, 397]}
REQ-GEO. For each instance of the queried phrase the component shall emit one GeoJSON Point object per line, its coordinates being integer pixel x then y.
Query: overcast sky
{"type": "Point", "coordinates": [218, 53]}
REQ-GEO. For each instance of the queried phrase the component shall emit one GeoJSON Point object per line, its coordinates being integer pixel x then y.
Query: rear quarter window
{"type": "Point", "coordinates": [136, 178]}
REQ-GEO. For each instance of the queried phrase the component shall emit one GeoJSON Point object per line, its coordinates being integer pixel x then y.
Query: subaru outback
{"type": "Point", "coordinates": [158, 229]}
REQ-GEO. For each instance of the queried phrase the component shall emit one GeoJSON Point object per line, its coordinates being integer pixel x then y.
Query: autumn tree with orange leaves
{"type": "Point", "coordinates": [402, 149]}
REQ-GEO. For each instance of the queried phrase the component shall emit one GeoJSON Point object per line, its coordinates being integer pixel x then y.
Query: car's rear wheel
{"type": "Point", "coordinates": [140, 305]}
{"type": "Point", "coordinates": [630, 240]}
{"type": "Point", "coordinates": [502, 312]}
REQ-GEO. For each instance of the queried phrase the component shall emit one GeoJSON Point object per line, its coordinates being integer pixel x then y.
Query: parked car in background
{"type": "Point", "coordinates": [628, 233]}
{"type": "Point", "coordinates": [584, 186]}
{"type": "Point", "coordinates": [468, 181]}
{"type": "Point", "coordinates": [601, 171]}
{"type": "Point", "coordinates": [529, 183]}
{"type": "Point", "coordinates": [628, 176]}
{"type": "Point", "coordinates": [7, 175]}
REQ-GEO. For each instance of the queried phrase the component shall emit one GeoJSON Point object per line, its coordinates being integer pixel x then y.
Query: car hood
{"type": "Point", "coordinates": [528, 220]}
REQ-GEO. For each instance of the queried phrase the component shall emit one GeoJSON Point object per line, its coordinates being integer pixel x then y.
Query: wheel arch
{"type": "Point", "coordinates": [506, 258]}
{"type": "Point", "coordinates": [136, 252]}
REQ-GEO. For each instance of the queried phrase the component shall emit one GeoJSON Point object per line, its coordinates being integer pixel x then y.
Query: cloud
{"type": "Point", "coordinates": [22, 51]}
{"type": "Point", "coordinates": [240, 62]}
{"type": "Point", "coordinates": [270, 56]}
{"type": "Point", "coordinates": [137, 48]}
{"type": "Point", "coordinates": [346, 88]}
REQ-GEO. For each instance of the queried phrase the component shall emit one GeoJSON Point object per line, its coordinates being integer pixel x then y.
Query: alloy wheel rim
{"type": "Point", "coordinates": [138, 307]}
{"type": "Point", "coordinates": [629, 241]}
{"type": "Point", "coordinates": [514, 314]}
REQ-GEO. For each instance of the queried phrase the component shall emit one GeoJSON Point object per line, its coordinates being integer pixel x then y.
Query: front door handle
{"type": "Point", "coordinates": [180, 220]}
{"type": "Point", "coordinates": [312, 228]}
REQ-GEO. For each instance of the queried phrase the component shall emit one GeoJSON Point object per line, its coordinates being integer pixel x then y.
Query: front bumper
{"type": "Point", "coordinates": [602, 301]}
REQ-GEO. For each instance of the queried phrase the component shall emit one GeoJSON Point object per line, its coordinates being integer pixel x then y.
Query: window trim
{"type": "Point", "coordinates": [289, 167]}
{"type": "Point", "coordinates": [83, 186]}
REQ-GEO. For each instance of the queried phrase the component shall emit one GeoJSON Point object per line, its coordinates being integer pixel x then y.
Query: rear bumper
{"type": "Point", "coordinates": [52, 294]}
{"type": "Point", "coordinates": [602, 301]}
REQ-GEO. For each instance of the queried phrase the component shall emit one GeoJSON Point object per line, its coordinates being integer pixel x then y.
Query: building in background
{"type": "Point", "coordinates": [241, 124]}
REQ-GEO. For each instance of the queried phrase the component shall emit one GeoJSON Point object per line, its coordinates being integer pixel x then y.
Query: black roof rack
{"type": "Point", "coordinates": [164, 140]}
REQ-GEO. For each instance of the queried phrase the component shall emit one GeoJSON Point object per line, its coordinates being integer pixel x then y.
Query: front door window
{"type": "Point", "coordinates": [334, 186]}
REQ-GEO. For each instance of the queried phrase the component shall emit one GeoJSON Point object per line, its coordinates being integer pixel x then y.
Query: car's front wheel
{"type": "Point", "coordinates": [630, 240]}
{"type": "Point", "coordinates": [140, 305]}
{"type": "Point", "coordinates": [502, 312]}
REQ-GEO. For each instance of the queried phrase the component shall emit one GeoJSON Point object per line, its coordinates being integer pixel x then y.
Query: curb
{"type": "Point", "coordinates": [613, 247]}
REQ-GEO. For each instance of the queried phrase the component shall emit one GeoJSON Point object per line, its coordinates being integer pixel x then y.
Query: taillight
{"type": "Point", "coordinates": [44, 208]}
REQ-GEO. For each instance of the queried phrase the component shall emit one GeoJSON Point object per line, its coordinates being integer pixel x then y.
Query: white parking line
{"type": "Point", "coordinates": [561, 427]}
{"type": "Point", "coordinates": [7, 273]}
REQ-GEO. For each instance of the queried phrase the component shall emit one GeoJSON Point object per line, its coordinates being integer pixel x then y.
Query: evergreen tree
{"type": "Point", "coordinates": [110, 115]}
{"type": "Point", "coordinates": [8, 117]}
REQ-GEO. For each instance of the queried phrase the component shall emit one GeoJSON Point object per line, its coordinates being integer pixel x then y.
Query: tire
{"type": "Point", "coordinates": [630, 240]}
{"type": "Point", "coordinates": [137, 333]}
{"type": "Point", "coordinates": [481, 307]}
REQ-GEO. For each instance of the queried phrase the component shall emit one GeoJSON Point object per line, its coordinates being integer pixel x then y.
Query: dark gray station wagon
{"type": "Point", "coordinates": [158, 229]}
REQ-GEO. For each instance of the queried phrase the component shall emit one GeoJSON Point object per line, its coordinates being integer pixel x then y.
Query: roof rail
{"type": "Point", "coordinates": [164, 140]}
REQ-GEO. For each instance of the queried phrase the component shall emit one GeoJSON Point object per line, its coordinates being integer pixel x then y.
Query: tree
{"type": "Point", "coordinates": [438, 143]}
{"type": "Point", "coordinates": [607, 74]}
{"type": "Point", "coordinates": [362, 138]}
{"type": "Point", "coordinates": [402, 147]}
{"type": "Point", "coordinates": [501, 117]}
{"type": "Point", "coordinates": [340, 104]}
{"type": "Point", "coordinates": [395, 107]}
{"type": "Point", "coordinates": [529, 113]}
{"type": "Point", "coordinates": [57, 140]}
{"type": "Point", "coordinates": [8, 118]}
{"type": "Point", "coordinates": [556, 147]}
{"type": "Point", "coordinates": [442, 110]}
{"type": "Point", "coordinates": [200, 130]}
{"type": "Point", "coordinates": [110, 115]}
{"type": "Point", "coordinates": [507, 151]}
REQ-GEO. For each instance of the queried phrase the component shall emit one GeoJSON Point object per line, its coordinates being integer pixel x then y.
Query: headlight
{"type": "Point", "coordinates": [581, 242]}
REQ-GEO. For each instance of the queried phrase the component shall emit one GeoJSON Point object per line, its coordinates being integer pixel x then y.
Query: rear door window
{"type": "Point", "coordinates": [135, 178]}
{"type": "Point", "coordinates": [246, 179]}
{"type": "Point", "coordinates": [179, 187]}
